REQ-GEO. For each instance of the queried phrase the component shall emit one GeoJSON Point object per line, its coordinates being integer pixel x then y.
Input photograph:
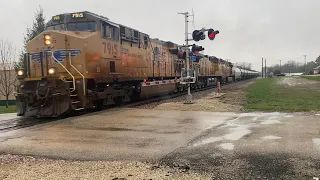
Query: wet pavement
{"type": "Point", "coordinates": [8, 116]}
{"type": "Point", "coordinates": [228, 145]}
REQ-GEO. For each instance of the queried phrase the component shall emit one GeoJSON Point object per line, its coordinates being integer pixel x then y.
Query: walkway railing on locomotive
{"type": "Point", "coordinates": [52, 70]}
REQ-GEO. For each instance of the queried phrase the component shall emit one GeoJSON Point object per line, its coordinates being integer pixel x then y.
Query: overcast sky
{"type": "Point", "coordinates": [249, 29]}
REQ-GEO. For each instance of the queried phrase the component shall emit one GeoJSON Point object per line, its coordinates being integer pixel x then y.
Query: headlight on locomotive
{"type": "Point", "coordinates": [52, 71]}
{"type": "Point", "coordinates": [47, 39]}
{"type": "Point", "coordinates": [21, 74]}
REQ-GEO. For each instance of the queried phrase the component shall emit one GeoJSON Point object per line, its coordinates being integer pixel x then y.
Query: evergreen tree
{"type": "Point", "coordinates": [38, 27]}
{"type": "Point", "coordinates": [318, 60]}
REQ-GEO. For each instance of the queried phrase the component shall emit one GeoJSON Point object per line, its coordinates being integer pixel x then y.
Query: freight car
{"type": "Point", "coordinates": [83, 61]}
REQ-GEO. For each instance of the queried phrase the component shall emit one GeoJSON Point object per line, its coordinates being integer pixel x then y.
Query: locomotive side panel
{"type": "Point", "coordinates": [178, 64]}
{"type": "Point", "coordinates": [134, 55]}
{"type": "Point", "coordinates": [161, 61]}
{"type": "Point", "coordinates": [119, 59]}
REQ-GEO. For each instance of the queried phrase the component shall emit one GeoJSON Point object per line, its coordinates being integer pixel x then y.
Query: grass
{"type": "Point", "coordinates": [267, 95]}
{"type": "Point", "coordinates": [10, 109]}
{"type": "Point", "coordinates": [315, 78]}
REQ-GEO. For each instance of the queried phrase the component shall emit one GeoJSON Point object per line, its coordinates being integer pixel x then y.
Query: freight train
{"type": "Point", "coordinates": [85, 61]}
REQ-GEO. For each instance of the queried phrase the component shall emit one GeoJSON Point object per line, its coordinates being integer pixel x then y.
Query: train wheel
{"type": "Point", "coordinates": [119, 100]}
{"type": "Point", "coordinates": [135, 96]}
{"type": "Point", "coordinates": [99, 105]}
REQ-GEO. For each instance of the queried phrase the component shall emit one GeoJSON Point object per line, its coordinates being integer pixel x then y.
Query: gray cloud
{"type": "Point", "coordinates": [250, 29]}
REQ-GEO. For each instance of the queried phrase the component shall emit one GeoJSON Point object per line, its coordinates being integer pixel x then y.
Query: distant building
{"type": "Point", "coordinates": [316, 70]}
{"type": "Point", "coordinates": [10, 76]}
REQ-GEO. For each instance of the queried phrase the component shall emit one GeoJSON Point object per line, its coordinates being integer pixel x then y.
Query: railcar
{"type": "Point", "coordinates": [83, 60]}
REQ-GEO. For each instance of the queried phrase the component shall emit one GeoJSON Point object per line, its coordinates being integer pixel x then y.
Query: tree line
{"type": "Point", "coordinates": [243, 65]}
{"type": "Point", "coordinates": [294, 67]}
{"type": "Point", "coordinates": [11, 59]}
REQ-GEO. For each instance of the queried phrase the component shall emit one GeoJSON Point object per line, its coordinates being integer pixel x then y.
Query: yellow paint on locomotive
{"type": "Point", "coordinates": [130, 62]}
{"type": "Point", "coordinates": [105, 59]}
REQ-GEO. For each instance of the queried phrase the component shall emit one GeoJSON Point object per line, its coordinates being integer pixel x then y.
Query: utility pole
{"type": "Point", "coordinates": [305, 64]}
{"type": "Point", "coordinates": [265, 68]}
{"type": "Point", "coordinates": [189, 96]}
{"type": "Point", "coordinates": [280, 66]}
{"type": "Point", "coordinates": [262, 69]}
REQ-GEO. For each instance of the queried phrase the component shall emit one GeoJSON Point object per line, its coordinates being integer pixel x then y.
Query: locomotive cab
{"type": "Point", "coordinates": [53, 79]}
{"type": "Point", "coordinates": [77, 63]}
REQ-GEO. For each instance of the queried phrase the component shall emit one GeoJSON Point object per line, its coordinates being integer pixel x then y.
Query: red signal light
{"type": "Point", "coordinates": [212, 35]}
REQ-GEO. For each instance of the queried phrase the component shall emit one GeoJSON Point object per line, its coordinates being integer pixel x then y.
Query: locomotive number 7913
{"type": "Point", "coordinates": [109, 48]}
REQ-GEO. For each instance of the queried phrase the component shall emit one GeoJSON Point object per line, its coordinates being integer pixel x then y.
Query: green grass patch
{"type": "Point", "coordinates": [314, 78]}
{"type": "Point", "coordinates": [268, 95]}
{"type": "Point", "coordinates": [10, 109]}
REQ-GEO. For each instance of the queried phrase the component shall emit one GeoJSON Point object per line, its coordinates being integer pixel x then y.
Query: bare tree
{"type": "Point", "coordinates": [8, 78]}
{"type": "Point", "coordinates": [244, 65]}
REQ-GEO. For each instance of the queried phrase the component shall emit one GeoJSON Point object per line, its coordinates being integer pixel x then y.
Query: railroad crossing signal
{"type": "Point", "coordinates": [212, 34]}
{"type": "Point", "coordinates": [198, 35]}
{"type": "Point", "coordinates": [182, 54]}
{"type": "Point", "coordinates": [196, 49]}
{"type": "Point", "coordinates": [174, 51]}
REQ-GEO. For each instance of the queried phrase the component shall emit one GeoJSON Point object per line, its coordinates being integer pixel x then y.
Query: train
{"type": "Point", "coordinates": [83, 61]}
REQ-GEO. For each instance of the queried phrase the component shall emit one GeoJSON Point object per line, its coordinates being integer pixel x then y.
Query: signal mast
{"type": "Point", "coordinates": [197, 35]}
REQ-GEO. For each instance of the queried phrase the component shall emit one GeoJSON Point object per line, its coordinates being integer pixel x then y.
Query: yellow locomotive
{"type": "Point", "coordinates": [83, 61]}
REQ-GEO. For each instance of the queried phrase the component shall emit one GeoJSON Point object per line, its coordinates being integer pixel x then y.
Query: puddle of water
{"type": "Point", "coordinates": [270, 122]}
{"type": "Point", "coordinates": [316, 142]}
{"type": "Point", "coordinates": [317, 114]}
{"type": "Point", "coordinates": [237, 133]}
{"type": "Point", "coordinates": [228, 146]}
{"type": "Point", "coordinates": [272, 137]}
{"type": "Point", "coordinates": [207, 141]}
{"type": "Point", "coordinates": [288, 116]}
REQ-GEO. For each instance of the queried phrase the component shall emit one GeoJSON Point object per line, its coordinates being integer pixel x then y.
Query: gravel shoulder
{"type": "Point", "coordinates": [26, 167]}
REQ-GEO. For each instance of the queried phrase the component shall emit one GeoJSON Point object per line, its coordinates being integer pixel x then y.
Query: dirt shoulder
{"type": "Point", "coordinates": [232, 98]}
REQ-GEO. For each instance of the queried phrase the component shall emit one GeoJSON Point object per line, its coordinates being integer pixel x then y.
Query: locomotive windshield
{"type": "Point", "coordinates": [75, 26]}
{"type": "Point", "coordinates": [56, 27]}
{"type": "Point", "coordinates": [82, 26]}
{"type": "Point", "coordinates": [73, 22]}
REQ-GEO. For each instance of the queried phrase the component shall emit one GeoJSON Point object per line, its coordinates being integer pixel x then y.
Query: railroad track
{"type": "Point", "coordinates": [162, 98]}
{"type": "Point", "coordinates": [19, 123]}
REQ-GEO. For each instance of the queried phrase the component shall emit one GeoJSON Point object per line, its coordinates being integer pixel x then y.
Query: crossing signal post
{"type": "Point", "coordinates": [197, 35]}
